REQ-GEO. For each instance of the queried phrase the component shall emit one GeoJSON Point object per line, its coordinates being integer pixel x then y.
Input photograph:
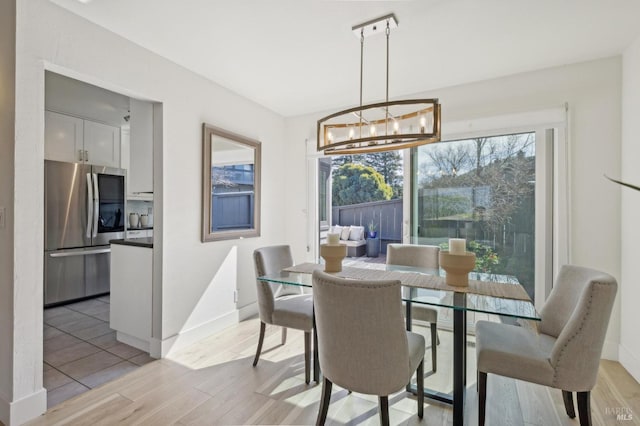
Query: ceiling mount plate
{"type": "Point", "coordinates": [375, 26]}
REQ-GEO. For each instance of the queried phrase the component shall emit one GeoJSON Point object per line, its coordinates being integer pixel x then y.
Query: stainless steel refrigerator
{"type": "Point", "coordinates": [84, 210]}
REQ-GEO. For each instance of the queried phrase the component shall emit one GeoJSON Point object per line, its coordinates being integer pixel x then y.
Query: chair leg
{"type": "Point", "coordinates": [567, 397]}
{"type": "Point", "coordinates": [263, 326]}
{"type": "Point", "coordinates": [420, 386]}
{"type": "Point", "coordinates": [584, 408]}
{"type": "Point", "coordinates": [384, 410]}
{"type": "Point", "coordinates": [434, 351]}
{"type": "Point", "coordinates": [482, 397]}
{"type": "Point", "coordinates": [307, 356]}
{"type": "Point", "coordinates": [284, 335]}
{"type": "Point", "coordinates": [324, 401]}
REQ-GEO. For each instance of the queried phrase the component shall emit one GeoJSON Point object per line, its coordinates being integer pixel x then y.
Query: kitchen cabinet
{"type": "Point", "coordinates": [64, 138]}
{"type": "Point", "coordinates": [101, 144]}
{"type": "Point", "coordinates": [74, 140]}
{"type": "Point", "coordinates": [141, 149]}
{"type": "Point", "coordinates": [131, 293]}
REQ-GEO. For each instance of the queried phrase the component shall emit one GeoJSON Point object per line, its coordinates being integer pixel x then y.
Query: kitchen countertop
{"type": "Point", "coordinates": [146, 242]}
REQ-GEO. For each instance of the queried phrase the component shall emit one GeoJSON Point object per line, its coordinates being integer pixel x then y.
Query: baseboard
{"type": "Point", "coordinates": [165, 347]}
{"type": "Point", "coordinates": [24, 409]}
{"type": "Point", "coordinates": [610, 350]}
{"type": "Point", "coordinates": [133, 341]}
{"type": "Point", "coordinates": [630, 362]}
{"type": "Point", "coordinates": [248, 311]}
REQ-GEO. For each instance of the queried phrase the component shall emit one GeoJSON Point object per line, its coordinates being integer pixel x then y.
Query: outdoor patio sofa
{"type": "Point", "coordinates": [353, 237]}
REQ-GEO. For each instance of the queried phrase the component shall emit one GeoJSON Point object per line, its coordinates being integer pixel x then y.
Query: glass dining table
{"type": "Point", "coordinates": [458, 301]}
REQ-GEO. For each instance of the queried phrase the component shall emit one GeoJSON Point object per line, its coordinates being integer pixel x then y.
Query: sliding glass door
{"type": "Point", "coordinates": [481, 189]}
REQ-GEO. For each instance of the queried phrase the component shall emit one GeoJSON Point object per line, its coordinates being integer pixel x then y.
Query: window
{"type": "Point", "coordinates": [482, 189]}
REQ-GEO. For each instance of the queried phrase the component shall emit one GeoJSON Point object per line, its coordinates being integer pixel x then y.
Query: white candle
{"type": "Point", "coordinates": [457, 245]}
{"type": "Point", "coordinates": [333, 239]}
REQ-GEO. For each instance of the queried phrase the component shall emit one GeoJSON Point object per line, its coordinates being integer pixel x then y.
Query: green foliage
{"type": "Point", "coordinates": [355, 183]}
{"type": "Point", "coordinates": [388, 164]}
{"type": "Point", "coordinates": [486, 258]}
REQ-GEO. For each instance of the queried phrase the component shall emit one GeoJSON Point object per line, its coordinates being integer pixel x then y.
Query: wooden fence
{"type": "Point", "coordinates": [387, 215]}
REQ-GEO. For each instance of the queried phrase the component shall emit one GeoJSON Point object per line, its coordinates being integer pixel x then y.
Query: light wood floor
{"type": "Point", "coordinates": [213, 382]}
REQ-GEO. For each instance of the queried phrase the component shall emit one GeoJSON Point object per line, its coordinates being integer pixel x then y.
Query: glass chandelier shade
{"type": "Point", "coordinates": [382, 126]}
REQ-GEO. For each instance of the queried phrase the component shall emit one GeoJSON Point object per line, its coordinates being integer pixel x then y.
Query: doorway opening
{"type": "Point", "coordinates": [99, 150]}
{"type": "Point", "coordinates": [361, 197]}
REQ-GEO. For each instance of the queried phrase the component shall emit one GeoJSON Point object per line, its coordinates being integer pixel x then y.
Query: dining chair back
{"type": "Point", "coordinates": [419, 256]}
{"type": "Point", "coordinates": [577, 314]}
{"type": "Point", "coordinates": [362, 342]}
{"type": "Point", "coordinates": [269, 260]}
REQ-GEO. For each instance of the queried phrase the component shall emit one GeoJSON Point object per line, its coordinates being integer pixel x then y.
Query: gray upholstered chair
{"type": "Point", "coordinates": [421, 257]}
{"type": "Point", "coordinates": [565, 352]}
{"type": "Point", "coordinates": [290, 309]}
{"type": "Point", "coordinates": [362, 342]}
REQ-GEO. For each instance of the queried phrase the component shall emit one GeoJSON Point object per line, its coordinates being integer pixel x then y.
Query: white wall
{"type": "Point", "coordinates": [198, 279]}
{"type": "Point", "coordinates": [7, 137]}
{"type": "Point", "coordinates": [630, 283]}
{"type": "Point", "coordinates": [592, 90]}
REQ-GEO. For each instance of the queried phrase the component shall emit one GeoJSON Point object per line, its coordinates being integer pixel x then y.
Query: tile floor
{"type": "Point", "coordinates": [81, 351]}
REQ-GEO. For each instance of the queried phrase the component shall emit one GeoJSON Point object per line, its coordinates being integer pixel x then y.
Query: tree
{"type": "Point", "coordinates": [444, 162]}
{"type": "Point", "coordinates": [340, 160]}
{"type": "Point", "coordinates": [389, 165]}
{"type": "Point", "coordinates": [355, 183]}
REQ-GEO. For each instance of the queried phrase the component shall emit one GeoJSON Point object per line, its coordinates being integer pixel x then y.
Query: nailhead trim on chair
{"type": "Point", "coordinates": [575, 335]}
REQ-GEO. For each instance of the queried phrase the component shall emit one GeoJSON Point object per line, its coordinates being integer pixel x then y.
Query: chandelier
{"type": "Point", "coordinates": [381, 126]}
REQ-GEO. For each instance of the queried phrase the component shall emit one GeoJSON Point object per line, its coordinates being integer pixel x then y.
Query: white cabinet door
{"type": "Point", "coordinates": [141, 146]}
{"type": "Point", "coordinates": [131, 294]}
{"type": "Point", "coordinates": [63, 136]}
{"type": "Point", "coordinates": [102, 143]}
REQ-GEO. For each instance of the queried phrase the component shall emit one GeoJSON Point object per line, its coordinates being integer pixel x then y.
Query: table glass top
{"type": "Point", "coordinates": [446, 299]}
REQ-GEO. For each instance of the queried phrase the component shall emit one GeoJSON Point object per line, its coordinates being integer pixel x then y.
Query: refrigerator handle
{"type": "Point", "coordinates": [89, 205]}
{"type": "Point", "coordinates": [96, 204]}
{"type": "Point", "coordinates": [80, 253]}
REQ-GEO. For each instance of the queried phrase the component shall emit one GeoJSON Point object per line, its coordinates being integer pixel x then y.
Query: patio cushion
{"type": "Point", "coordinates": [356, 233]}
{"type": "Point", "coordinates": [344, 235]}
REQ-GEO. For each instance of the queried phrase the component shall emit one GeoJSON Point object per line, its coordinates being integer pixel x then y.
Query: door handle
{"type": "Point", "coordinates": [80, 253]}
{"type": "Point", "coordinates": [86, 155]}
{"type": "Point", "coordinates": [80, 155]}
{"type": "Point", "coordinates": [89, 205]}
{"type": "Point", "coordinates": [96, 204]}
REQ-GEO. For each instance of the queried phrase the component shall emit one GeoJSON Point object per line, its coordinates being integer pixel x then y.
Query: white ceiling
{"type": "Point", "coordinates": [300, 56]}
